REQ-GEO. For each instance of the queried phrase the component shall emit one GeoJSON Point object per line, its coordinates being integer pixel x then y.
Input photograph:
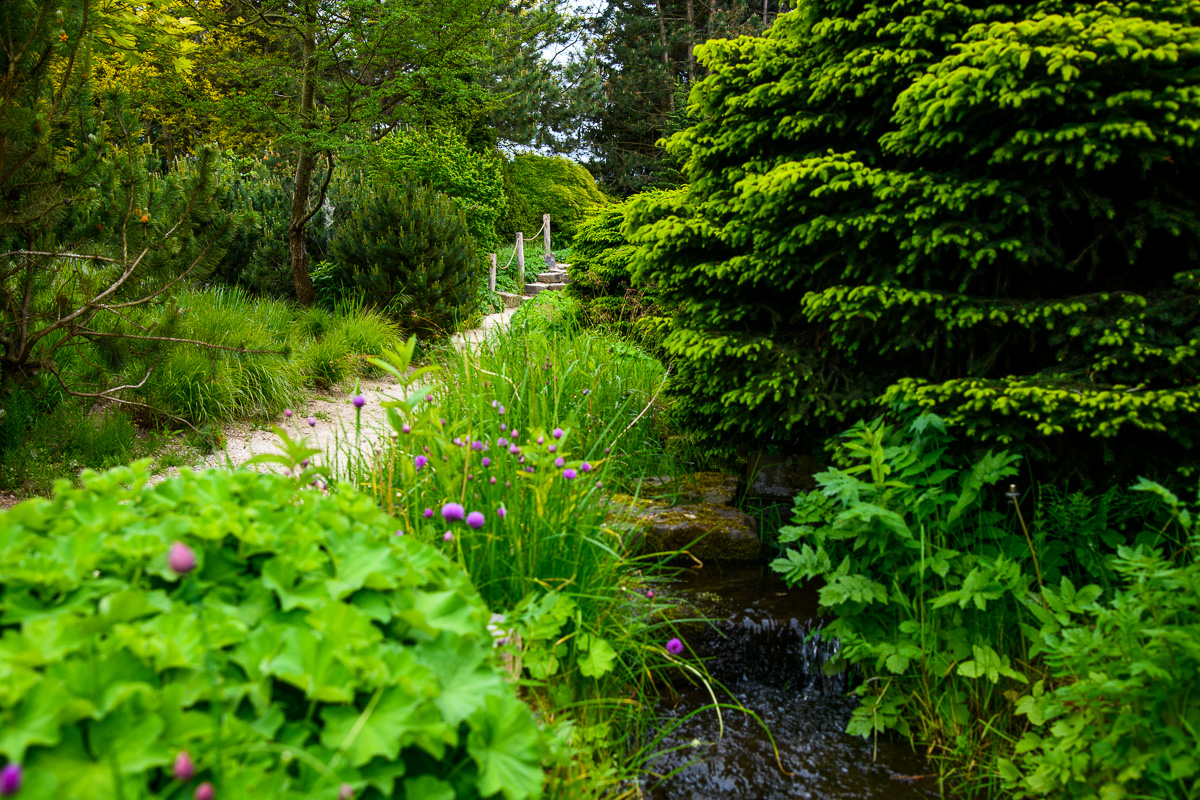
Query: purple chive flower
{"type": "Point", "coordinates": [585, 391]}
{"type": "Point", "coordinates": [287, 412]}
{"type": "Point", "coordinates": [312, 422]}
{"type": "Point", "coordinates": [447, 537]}
{"type": "Point", "coordinates": [428, 398]}
{"type": "Point", "coordinates": [184, 768]}
{"type": "Point", "coordinates": [495, 403]}
{"type": "Point", "coordinates": [501, 512]}
{"type": "Point", "coordinates": [181, 558]}
{"type": "Point", "coordinates": [457, 441]}
{"type": "Point", "coordinates": [557, 433]}
{"type": "Point", "coordinates": [674, 647]}
{"type": "Point", "coordinates": [205, 791]}
{"type": "Point", "coordinates": [428, 513]}
{"type": "Point", "coordinates": [477, 446]}
{"type": "Point", "coordinates": [399, 532]}
{"type": "Point", "coordinates": [599, 484]}
{"type": "Point", "coordinates": [552, 448]}
{"type": "Point", "coordinates": [541, 439]}
{"type": "Point", "coordinates": [346, 792]}
{"type": "Point", "coordinates": [492, 480]}
{"type": "Point", "coordinates": [475, 520]}
{"type": "Point", "coordinates": [419, 462]}
{"type": "Point", "coordinates": [513, 449]}
{"type": "Point", "coordinates": [521, 460]}
{"type": "Point", "coordinates": [10, 779]}
{"type": "Point", "coordinates": [569, 474]}
{"type": "Point", "coordinates": [453, 512]}
{"type": "Point", "coordinates": [558, 462]}
{"type": "Point", "coordinates": [502, 442]}
{"type": "Point", "coordinates": [608, 450]}
{"type": "Point", "coordinates": [406, 428]}
{"type": "Point", "coordinates": [503, 427]}
{"type": "Point", "coordinates": [426, 448]}
{"type": "Point", "coordinates": [529, 469]}
{"type": "Point", "coordinates": [304, 464]}
{"type": "Point", "coordinates": [649, 594]}
{"type": "Point", "coordinates": [515, 433]}
{"type": "Point", "coordinates": [359, 401]}
{"type": "Point", "coordinates": [470, 476]}
{"type": "Point", "coordinates": [487, 462]}
{"type": "Point", "coordinates": [586, 467]}
{"type": "Point", "coordinates": [443, 421]}
{"type": "Point", "coordinates": [500, 410]}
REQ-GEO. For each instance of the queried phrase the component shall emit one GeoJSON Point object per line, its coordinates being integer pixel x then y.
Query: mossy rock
{"type": "Point", "coordinates": [717, 488]}
{"type": "Point", "coordinates": [705, 530]}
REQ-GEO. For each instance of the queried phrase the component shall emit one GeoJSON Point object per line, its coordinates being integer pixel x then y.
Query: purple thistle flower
{"type": "Point", "coordinates": [312, 422]}
{"type": "Point", "coordinates": [487, 462]}
{"type": "Point", "coordinates": [184, 768]}
{"type": "Point", "coordinates": [205, 791]}
{"type": "Point", "coordinates": [453, 512]}
{"type": "Point", "coordinates": [10, 779]}
{"type": "Point", "coordinates": [419, 462]}
{"type": "Point", "coordinates": [586, 467]}
{"type": "Point", "coordinates": [447, 537]}
{"type": "Point", "coordinates": [558, 462]}
{"type": "Point", "coordinates": [429, 513]}
{"type": "Point", "coordinates": [359, 401]}
{"type": "Point", "coordinates": [541, 439]}
{"type": "Point", "coordinates": [475, 520]}
{"type": "Point", "coordinates": [346, 792]}
{"type": "Point", "coordinates": [287, 412]}
{"type": "Point", "coordinates": [649, 594]}
{"type": "Point", "coordinates": [557, 433]}
{"type": "Point", "coordinates": [552, 448]}
{"type": "Point", "coordinates": [492, 480]}
{"type": "Point", "coordinates": [406, 428]}
{"type": "Point", "coordinates": [674, 647]}
{"type": "Point", "coordinates": [569, 473]}
{"type": "Point", "coordinates": [501, 512]}
{"type": "Point", "coordinates": [181, 558]}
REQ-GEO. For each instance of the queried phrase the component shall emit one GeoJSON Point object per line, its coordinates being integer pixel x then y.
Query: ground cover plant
{"type": "Point", "coordinates": [240, 632]}
{"type": "Point", "coordinates": [995, 644]}
{"type": "Point", "coordinates": [960, 205]}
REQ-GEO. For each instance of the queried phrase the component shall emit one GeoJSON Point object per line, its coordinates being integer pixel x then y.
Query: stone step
{"type": "Point", "coordinates": [554, 276]}
{"type": "Point", "coordinates": [512, 300]}
{"type": "Point", "coordinates": [537, 288]}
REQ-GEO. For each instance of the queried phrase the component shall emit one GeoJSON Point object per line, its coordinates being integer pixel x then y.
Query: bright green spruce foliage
{"type": "Point", "coordinates": [406, 249]}
{"type": "Point", "coordinates": [310, 648]}
{"type": "Point", "coordinates": [985, 208]}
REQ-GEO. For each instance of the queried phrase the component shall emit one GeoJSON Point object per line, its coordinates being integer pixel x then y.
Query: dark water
{"type": "Point", "coordinates": [760, 653]}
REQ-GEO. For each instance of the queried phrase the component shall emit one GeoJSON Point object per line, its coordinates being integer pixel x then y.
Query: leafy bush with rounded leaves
{"type": "Point", "coordinates": [557, 186]}
{"type": "Point", "coordinates": [406, 249]}
{"type": "Point", "coordinates": [310, 647]}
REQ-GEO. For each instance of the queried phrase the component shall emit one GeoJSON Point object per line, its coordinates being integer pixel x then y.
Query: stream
{"type": "Point", "coordinates": [760, 652]}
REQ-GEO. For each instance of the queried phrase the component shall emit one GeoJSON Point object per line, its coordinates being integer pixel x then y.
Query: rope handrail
{"type": "Point", "coordinates": [527, 239]}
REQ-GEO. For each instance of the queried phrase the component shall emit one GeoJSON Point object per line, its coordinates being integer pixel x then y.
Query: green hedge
{"type": "Point", "coordinates": [983, 209]}
{"type": "Point", "coordinates": [313, 651]}
{"type": "Point", "coordinates": [557, 186]}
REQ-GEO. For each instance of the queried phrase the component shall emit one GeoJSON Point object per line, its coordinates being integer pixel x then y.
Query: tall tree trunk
{"type": "Point", "coordinates": [305, 162]}
{"type": "Point", "coordinates": [666, 55]}
{"type": "Point", "coordinates": [691, 14]}
{"type": "Point", "coordinates": [765, 14]}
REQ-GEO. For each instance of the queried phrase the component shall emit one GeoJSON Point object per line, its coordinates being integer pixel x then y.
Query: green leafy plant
{"type": "Point", "coordinates": [961, 206]}
{"type": "Point", "coordinates": [557, 186]}
{"type": "Point", "coordinates": [285, 638]}
{"type": "Point", "coordinates": [406, 250]}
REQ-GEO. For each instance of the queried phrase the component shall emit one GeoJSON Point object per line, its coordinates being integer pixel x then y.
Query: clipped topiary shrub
{"type": "Point", "coordinates": [406, 249]}
{"type": "Point", "coordinates": [557, 186]}
{"type": "Point", "coordinates": [236, 629]}
{"type": "Point", "coordinates": [984, 209]}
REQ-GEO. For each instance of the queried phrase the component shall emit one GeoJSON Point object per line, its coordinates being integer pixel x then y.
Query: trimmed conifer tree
{"type": "Point", "coordinates": [984, 209]}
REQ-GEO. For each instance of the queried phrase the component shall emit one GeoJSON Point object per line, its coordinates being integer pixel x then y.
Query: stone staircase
{"type": "Point", "coordinates": [554, 279]}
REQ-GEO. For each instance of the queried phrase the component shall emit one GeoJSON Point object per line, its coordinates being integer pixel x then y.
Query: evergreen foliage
{"type": "Point", "coordinates": [984, 209]}
{"type": "Point", "coordinates": [538, 185]}
{"type": "Point", "coordinates": [442, 159]}
{"type": "Point", "coordinates": [407, 249]}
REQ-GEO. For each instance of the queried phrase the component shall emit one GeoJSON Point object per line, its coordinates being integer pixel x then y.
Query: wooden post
{"type": "Point", "coordinates": [492, 273]}
{"type": "Point", "coordinates": [546, 231]}
{"type": "Point", "coordinates": [521, 261]}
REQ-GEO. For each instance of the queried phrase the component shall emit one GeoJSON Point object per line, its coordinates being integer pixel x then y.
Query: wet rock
{"type": "Point", "coordinates": [781, 479]}
{"type": "Point", "coordinates": [706, 530]}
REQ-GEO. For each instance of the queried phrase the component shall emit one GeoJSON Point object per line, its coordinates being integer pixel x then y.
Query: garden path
{"type": "Point", "coordinates": [334, 415]}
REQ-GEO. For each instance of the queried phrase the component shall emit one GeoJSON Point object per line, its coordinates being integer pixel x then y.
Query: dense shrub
{"type": "Point", "coordinates": [557, 186]}
{"type": "Point", "coordinates": [442, 160]}
{"type": "Point", "coordinates": [982, 208]}
{"type": "Point", "coordinates": [548, 312]}
{"type": "Point", "coordinates": [310, 648]}
{"type": "Point", "coordinates": [406, 249]}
